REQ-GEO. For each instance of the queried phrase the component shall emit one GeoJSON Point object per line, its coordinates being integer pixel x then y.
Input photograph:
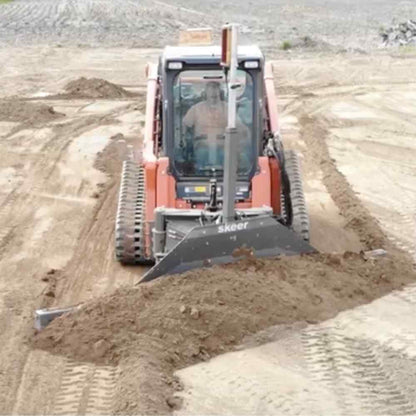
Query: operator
{"type": "Point", "coordinates": [209, 120]}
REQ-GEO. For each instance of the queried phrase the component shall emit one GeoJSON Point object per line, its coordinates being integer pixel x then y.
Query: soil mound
{"type": "Point", "coordinates": [94, 88]}
{"type": "Point", "coordinates": [28, 112]}
{"type": "Point", "coordinates": [179, 320]}
{"type": "Point", "coordinates": [200, 311]}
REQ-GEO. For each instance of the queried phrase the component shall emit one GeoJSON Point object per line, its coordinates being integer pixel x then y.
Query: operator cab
{"type": "Point", "coordinates": [194, 99]}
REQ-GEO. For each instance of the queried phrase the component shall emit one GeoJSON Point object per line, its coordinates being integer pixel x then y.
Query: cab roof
{"type": "Point", "coordinates": [207, 54]}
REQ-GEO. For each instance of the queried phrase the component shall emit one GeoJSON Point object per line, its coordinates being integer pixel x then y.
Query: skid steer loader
{"type": "Point", "coordinates": [214, 181]}
{"type": "Point", "coordinates": [213, 178]}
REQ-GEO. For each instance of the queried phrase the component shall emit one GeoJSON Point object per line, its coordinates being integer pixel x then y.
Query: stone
{"type": "Point", "coordinates": [195, 313]}
{"type": "Point", "coordinates": [100, 348]}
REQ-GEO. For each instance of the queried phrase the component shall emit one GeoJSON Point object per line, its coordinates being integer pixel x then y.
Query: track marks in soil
{"type": "Point", "coordinates": [354, 370]}
{"type": "Point", "coordinates": [96, 22]}
{"type": "Point", "coordinates": [6, 228]}
{"type": "Point", "coordinates": [40, 219]}
{"type": "Point", "coordinates": [372, 124]}
{"type": "Point", "coordinates": [357, 216]}
{"type": "Point", "coordinates": [85, 389]}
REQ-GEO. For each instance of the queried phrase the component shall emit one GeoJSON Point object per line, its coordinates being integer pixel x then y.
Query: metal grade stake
{"type": "Point", "coordinates": [230, 174]}
{"type": "Point", "coordinates": [230, 151]}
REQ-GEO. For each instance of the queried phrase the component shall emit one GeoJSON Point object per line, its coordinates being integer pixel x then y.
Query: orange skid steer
{"type": "Point", "coordinates": [214, 177]}
{"type": "Point", "coordinates": [214, 180]}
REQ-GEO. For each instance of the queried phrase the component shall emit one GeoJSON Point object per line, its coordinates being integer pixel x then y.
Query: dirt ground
{"type": "Point", "coordinates": [363, 360]}
{"type": "Point", "coordinates": [304, 24]}
{"type": "Point", "coordinates": [349, 116]}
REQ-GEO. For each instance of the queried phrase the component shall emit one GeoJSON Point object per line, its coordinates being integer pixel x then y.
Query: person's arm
{"type": "Point", "coordinates": [189, 119]}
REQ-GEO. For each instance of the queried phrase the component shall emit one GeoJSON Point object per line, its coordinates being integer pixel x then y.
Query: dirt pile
{"type": "Point", "coordinates": [156, 328]}
{"type": "Point", "coordinates": [94, 88]}
{"type": "Point", "coordinates": [16, 110]}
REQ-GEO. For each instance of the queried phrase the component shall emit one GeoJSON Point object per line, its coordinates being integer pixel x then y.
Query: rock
{"type": "Point", "coordinates": [399, 35]}
{"type": "Point", "coordinates": [118, 136]}
{"type": "Point", "coordinates": [156, 333]}
{"type": "Point", "coordinates": [412, 25]}
{"type": "Point", "coordinates": [174, 402]}
{"type": "Point", "coordinates": [195, 313]}
{"type": "Point", "coordinates": [183, 309]}
{"type": "Point", "coordinates": [379, 252]}
{"type": "Point", "coordinates": [101, 347]}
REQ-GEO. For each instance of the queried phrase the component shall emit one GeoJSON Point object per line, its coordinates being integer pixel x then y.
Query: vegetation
{"type": "Point", "coordinates": [5, 1]}
{"type": "Point", "coordinates": [286, 45]}
{"type": "Point", "coordinates": [408, 49]}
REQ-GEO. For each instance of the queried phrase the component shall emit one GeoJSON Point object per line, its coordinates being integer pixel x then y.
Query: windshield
{"type": "Point", "coordinates": [200, 120]}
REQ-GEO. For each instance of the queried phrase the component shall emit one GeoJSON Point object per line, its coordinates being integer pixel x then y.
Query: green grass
{"type": "Point", "coordinates": [286, 45]}
{"type": "Point", "coordinates": [5, 1]}
{"type": "Point", "coordinates": [408, 50]}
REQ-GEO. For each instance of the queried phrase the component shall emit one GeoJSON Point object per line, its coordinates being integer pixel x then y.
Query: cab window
{"type": "Point", "coordinates": [200, 120]}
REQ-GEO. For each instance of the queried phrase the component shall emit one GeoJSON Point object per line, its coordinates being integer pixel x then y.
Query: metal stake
{"type": "Point", "coordinates": [230, 151]}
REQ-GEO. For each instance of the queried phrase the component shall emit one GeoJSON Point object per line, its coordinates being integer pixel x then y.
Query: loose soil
{"type": "Point", "coordinates": [56, 213]}
{"type": "Point", "coordinates": [94, 88]}
{"type": "Point", "coordinates": [16, 110]}
{"type": "Point", "coordinates": [180, 320]}
{"type": "Point", "coordinates": [356, 215]}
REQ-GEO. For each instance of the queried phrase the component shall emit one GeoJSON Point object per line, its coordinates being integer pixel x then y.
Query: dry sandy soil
{"type": "Point", "coordinates": [154, 23]}
{"type": "Point", "coordinates": [349, 116]}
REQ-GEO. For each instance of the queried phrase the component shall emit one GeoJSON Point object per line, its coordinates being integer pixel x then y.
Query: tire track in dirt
{"type": "Point", "coordinates": [102, 391]}
{"type": "Point", "coordinates": [72, 385]}
{"type": "Point", "coordinates": [357, 216]}
{"type": "Point", "coordinates": [365, 357]}
{"type": "Point", "coordinates": [46, 188]}
{"type": "Point", "coordinates": [402, 232]}
{"type": "Point", "coordinates": [353, 369]}
{"type": "Point", "coordinates": [327, 228]}
{"type": "Point", "coordinates": [315, 110]}
{"type": "Point", "coordinates": [6, 227]}
{"type": "Point", "coordinates": [85, 389]}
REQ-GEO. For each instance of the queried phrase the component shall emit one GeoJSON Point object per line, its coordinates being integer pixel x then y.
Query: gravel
{"type": "Point", "coordinates": [339, 24]}
{"type": "Point", "coordinates": [401, 34]}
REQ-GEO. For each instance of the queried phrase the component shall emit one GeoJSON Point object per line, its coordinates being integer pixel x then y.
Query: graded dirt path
{"type": "Point", "coordinates": [364, 360]}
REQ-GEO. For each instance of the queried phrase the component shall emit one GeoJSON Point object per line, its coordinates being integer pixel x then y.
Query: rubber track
{"type": "Point", "coordinates": [300, 223]}
{"type": "Point", "coordinates": [129, 233]}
